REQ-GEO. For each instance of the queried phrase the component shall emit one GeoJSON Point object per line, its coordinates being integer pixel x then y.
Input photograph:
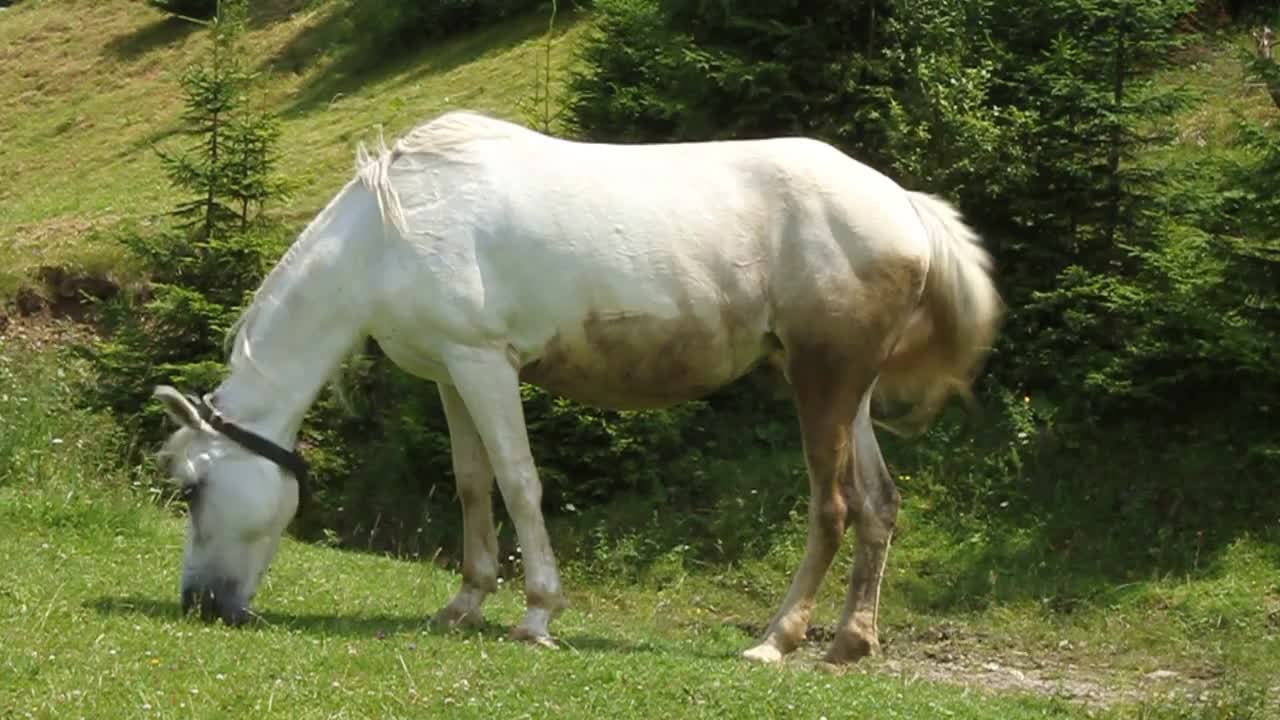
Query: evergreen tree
{"type": "Point", "coordinates": [229, 169]}
{"type": "Point", "coordinates": [203, 270]}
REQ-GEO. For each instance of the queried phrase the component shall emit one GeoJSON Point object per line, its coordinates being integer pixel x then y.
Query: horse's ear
{"type": "Point", "coordinates": [178, 407]}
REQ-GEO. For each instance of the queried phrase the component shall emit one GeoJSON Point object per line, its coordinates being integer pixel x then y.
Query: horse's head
{"type": "Point", "coordinates": [241, 496]}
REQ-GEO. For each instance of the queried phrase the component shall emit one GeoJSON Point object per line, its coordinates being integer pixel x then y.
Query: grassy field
{"type": "Point", "coordinates": [90, 625]}
{"type": "Point", "coordinates": [88, 93]}
{"type": "Point", "coordinates": [983, 616]}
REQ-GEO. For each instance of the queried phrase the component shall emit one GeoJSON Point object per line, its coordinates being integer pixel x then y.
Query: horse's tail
{"type": "Point", "coordinates": [950, 334]}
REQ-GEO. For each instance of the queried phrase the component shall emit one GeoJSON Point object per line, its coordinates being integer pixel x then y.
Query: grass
{"type": "Point", "coordinates": [345, 634]}
{"type": "Point", "coordinates": [90, 626]}
{"type": "Point", "coordinates": [985, 614]}
{"type": "Point", "coordinates": [94, 89]}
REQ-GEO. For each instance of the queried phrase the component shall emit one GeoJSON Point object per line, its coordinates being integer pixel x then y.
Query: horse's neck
{"type": "Point", "coordinates": [306, 318]}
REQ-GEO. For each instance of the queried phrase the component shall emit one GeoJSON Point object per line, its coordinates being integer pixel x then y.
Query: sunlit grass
{"type": "Point", "coordinates": [88, 93]}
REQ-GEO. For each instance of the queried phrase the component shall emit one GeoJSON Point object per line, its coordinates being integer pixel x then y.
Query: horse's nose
{"type": "Point", "coordinates": [219, 599]}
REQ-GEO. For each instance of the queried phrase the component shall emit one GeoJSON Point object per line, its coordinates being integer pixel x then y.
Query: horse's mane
{"type": "Point", "coordinates": [447, 137]}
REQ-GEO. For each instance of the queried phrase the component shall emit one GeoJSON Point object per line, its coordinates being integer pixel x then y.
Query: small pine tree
{"type": "Point", "coordinates": [203, 270]}
{"type": "Point", "coordinates": [229, 170]}
{"type": "Point", "coordinates": [537, 107]}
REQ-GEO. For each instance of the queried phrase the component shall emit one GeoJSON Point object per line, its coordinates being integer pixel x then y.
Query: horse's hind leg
{"type": "Point", "coordinates": [827, 392]}
{"type": "Point", "coordinates": [873, 502]}
{"type": "Point", "coordinates": [474, 478]}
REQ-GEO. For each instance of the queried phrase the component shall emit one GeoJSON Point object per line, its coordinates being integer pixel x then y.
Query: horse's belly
{"type": "Point", "coordinates": [636, 361]}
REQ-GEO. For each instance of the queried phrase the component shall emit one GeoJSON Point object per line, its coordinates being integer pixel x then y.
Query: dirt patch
{"type": "Point", "coordinates": [59, 310]}
{"type": "Point", "coordinates": [960, 656]}
{"type": "Point", "coordinates": [42, 331]}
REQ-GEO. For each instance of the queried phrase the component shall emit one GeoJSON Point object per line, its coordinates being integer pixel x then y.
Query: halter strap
{"type": "Point", "coordinates": [288, 460]}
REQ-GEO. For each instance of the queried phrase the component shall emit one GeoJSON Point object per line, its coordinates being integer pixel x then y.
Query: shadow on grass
{"type": "Point", "coordinates": [1083, 528]}
{"type": "Point", "coordinates": [165, 31]}
{"type": "Point", "coordinates": [170, 29]}
{"type": "Point", "coordinates": [1067, 570]}
{"type": "Point", "coordinates": [263, 13]}
{"type": "Point", "coordinates": [355, 626]}
{"type": "Point", "coordinates": [357, 64]}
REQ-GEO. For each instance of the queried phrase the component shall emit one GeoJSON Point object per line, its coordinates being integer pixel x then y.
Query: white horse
{"type": "Point", "coordinates": [480, 254]}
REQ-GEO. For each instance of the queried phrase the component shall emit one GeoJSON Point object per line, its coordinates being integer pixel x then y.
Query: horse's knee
{"type": "Point", "coordinates": [474, 489]}
{"type": "Point", "coordinates": [873, 504]}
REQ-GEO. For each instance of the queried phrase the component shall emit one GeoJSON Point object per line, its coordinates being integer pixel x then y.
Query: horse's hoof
{"type": "Point", "coordinates": [523, 634]}
{"type": "Point", "coordinates": [451, 618]}
{"type": "Point", "coordinates": [850, 647]}
{"type": "Point", "coordinates": [763, 653]}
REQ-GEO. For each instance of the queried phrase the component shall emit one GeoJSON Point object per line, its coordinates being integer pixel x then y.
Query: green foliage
{"type": "Point", "coordinates": [384, 475]}
{"type": "Point", "coordinates": [941, 129]}
{"type": "Point", "coordinates": [173, 334]}
{"type": "Point", "coordinates": [60, 464]}
{"type": "Point", "coordinates": [537, 108]}
{"type": "Point", "coordinates": [684, 69]}
{"type": "Point", "coordinates": [407, 24]}
{"type": "Point", "coordinates": [623, 88]}
{"type": "Point", "coordinates": [589, 457]}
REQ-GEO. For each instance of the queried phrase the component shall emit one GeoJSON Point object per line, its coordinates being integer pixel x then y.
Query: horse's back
{"type": "Point", "coordinates": [634, 275]}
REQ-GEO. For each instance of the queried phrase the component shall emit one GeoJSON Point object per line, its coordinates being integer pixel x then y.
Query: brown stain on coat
{"type": "Point", "coordinates": [640, 361]}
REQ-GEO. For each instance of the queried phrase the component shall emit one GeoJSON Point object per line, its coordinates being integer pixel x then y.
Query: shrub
{"type": "Point", "coordinates": [405, 24]}
{"type": "Point", "coordinates": [198, 9]}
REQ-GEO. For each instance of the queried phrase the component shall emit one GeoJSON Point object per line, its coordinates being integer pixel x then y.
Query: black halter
{"type": "Point", "coordinates": [288, 460]}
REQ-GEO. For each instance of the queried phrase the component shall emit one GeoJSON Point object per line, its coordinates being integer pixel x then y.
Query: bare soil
{"type": "Point", "coordinates": [56, 310]}
{"type": "Point", "coordinates": [956, 655]}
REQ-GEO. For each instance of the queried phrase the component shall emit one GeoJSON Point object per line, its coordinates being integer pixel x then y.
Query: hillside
{"type": "Point", "coordinates": [993, 606]}
{"type": "Point", "coordinates": [85, 94]}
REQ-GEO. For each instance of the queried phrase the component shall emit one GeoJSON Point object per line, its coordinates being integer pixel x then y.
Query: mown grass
{"type": "Point", "coordinates": [87, 93]}
{"type": "Point", "coordinates": [90, 626]}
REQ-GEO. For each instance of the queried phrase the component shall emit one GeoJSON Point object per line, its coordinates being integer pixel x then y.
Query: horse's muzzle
{"type": "Point", "coordinates": [218, 599]}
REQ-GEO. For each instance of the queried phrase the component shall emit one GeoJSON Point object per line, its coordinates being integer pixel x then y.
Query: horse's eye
{"type": "Point", "coordinates": [190, 492]}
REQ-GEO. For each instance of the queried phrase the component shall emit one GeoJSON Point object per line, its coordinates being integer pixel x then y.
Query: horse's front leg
{"type": "Point", "coordinates": [490, 388]}
{"type": "Point", "coordinates": [474, 478]}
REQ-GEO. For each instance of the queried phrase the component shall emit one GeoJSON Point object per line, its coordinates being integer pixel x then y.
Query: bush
{"type": "Point", "coordinates": [173, 334]}
{"type": "Point", "coordinates": [690, 70]}
{"type": "Point", "coordinates": [383, 473]}
{"type": "Point", "coordinates": [405, 24]}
